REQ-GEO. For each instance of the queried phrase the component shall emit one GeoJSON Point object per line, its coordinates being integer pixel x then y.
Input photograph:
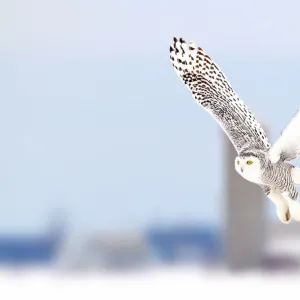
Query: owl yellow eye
{"type": "Point", "coordinates": [249, 162]}
{"type": "Point", "coordinates": [238, 162]}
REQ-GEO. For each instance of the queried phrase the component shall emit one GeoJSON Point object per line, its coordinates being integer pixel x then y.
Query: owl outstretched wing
{"type": "Point", "coordinates": [212, 91]}
{"type": "Point", "coordinates": [287, 146]}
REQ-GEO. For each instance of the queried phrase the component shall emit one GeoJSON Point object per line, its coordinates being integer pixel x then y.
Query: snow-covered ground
{"type": "Point", "coordinates": [173, 283]}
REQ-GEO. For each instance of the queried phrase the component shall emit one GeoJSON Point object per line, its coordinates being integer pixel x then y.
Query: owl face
{"type": "Point", "coordinates": [248, 167]}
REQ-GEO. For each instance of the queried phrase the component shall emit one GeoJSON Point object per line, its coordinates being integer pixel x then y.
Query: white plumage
{"type": "Point", "coordinates": [257, 161]}
{"type": "Point", "coordinates": [287, 146]}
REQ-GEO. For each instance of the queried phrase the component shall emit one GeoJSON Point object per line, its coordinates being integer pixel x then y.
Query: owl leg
{"type": "Point", "coordinates": [294, 206]}
{"type": "Point", "coordinates": [282, 206]}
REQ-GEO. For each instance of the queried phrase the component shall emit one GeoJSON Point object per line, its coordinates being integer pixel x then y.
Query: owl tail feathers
{"type": "Point", "coordinates": [296, 175]}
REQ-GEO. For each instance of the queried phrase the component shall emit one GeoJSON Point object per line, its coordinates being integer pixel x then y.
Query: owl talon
{"type": "Point", "coordinates": [283, 214]}
{"type": "Point", "coordinates": [288, 216]}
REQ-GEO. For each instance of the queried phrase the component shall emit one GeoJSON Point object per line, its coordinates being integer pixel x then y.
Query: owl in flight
{"type": "Point", "coordinates": [257, 161]}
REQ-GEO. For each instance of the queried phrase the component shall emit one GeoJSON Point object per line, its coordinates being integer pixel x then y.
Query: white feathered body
{"type": "Point", "coordinates": [257, 161]}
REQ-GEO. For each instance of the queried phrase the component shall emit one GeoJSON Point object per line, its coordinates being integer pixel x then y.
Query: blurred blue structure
{"type": "Point", "coordinates": [182, 243]}
{"type": "Point", "coordinates": [26, 249]}
{"type": "Point", "coordinates": [31, 249]}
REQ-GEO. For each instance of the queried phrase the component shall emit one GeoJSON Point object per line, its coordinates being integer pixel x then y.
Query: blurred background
{"type": "Point", "coordinates": [111, 175]}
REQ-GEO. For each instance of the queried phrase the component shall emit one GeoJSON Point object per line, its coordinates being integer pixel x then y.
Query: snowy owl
{"type": "Point", "coordinates": [257, 161]}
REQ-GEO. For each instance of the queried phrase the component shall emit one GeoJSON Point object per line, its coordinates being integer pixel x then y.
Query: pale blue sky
{"type": "Point", "coordinates": [94, 120]}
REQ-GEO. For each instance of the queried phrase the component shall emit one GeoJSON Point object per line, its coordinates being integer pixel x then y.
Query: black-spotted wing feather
{"type": "Point", "coordinates": [213, 92]}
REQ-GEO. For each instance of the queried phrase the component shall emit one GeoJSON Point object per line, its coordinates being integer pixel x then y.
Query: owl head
{"type": "Point", "coordinates": [249, 166]}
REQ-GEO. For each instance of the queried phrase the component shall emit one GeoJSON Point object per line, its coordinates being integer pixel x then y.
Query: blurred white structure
{"type": "Point", "coordinates": [245, 217]}
{"type": "Point", "coordinates": [103, 251]}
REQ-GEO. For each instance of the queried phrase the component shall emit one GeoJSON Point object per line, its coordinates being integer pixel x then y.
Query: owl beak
{"type": "Point", "coordinates": [242, 170]}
